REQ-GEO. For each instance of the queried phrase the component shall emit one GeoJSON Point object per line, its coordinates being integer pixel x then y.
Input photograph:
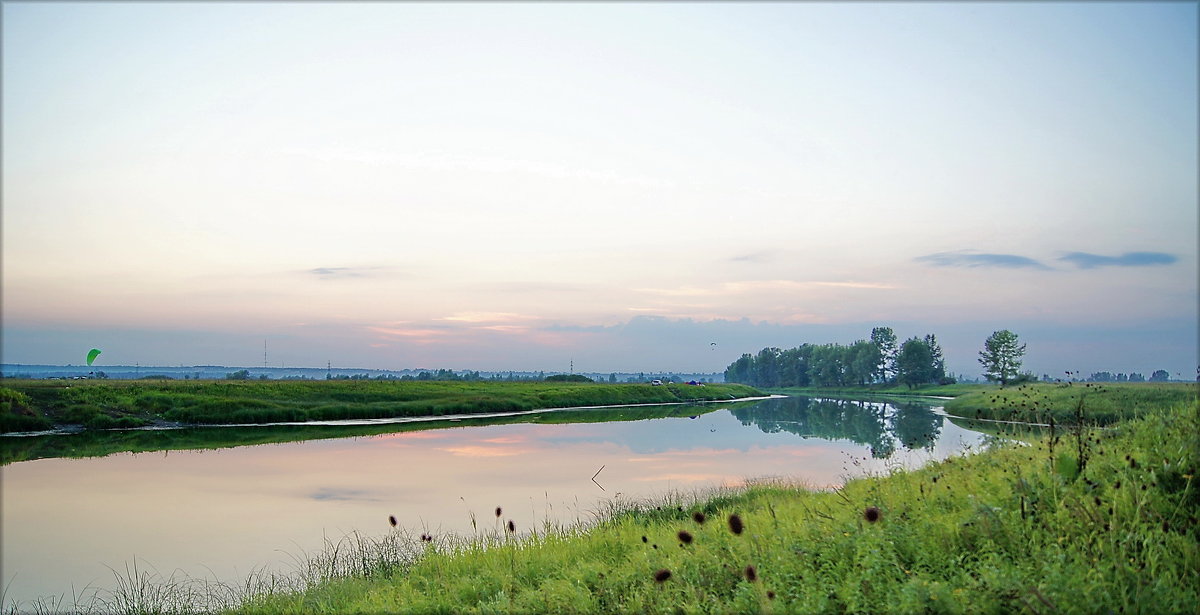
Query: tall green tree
{"type": "Point", "coordinates": [939, 360]}
{"type": "Point", "coordinates": [863, 362]}
{"type": "Point", "coordinates": [914, 364]}
{"type": "Point", "coordinates": [886, 340]}
{"type": "Point", "coordinates": [739, 371]}
{"type": "Point", "coordinates": [1001, 356]}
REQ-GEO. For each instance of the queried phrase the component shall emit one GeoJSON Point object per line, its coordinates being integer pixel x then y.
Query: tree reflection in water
{"type": "Point", "coordinates": [882, 426]}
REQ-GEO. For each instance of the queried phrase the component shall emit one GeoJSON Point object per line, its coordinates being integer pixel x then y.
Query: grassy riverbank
{"type": "Point", "coordinates": [1066, 402]}
{"type": "Point", "coordinates": [948, 390]}
{"type": "Point", "coordinates": [29, 405]}
{"type": "Point", "coordinates": [1070, 402]}
{"type": "Point", "coordinates": [1098, 520]}
{"type": "Point", "coordinates": [101, 442]}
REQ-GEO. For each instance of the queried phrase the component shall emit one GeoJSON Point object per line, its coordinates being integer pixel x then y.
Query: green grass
{"type": "Point", "coordinates": [941, 390]}
{"type": "Point", "coordinates": [1069, 403]}
{"type": "Point", "coordinates": [33, 404]}
{"type": "Point", "coordinates": [1092, 520]}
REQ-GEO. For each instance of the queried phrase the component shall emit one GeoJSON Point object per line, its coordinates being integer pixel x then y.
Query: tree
{"type": "Point", "coordinates": [739, 371]}
{"type": "Point", "coordinates": [1001, 356]}
{"type": "Point", "coordinates": [242, 374]}
{"type": "Point", "coordinates": [886, 340]}
{"type": "Point", "coordinates": [862, 363]}
{"type": "Point", "coordinates": [915, 364]}
{"type": "Point", "coordinates": [939, 360]}
{"type": "Point", "coordinates": [1159, 375]}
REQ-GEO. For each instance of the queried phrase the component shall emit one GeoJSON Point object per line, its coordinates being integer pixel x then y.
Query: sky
{"type": "Point", "coordinates": [608, 186]}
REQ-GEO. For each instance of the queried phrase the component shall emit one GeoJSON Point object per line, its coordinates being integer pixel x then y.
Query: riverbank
{"type": "Point", "coordinates": [103, 442]}
{"type": "Point", "coordinates": [1070, 403]}
{"type": "Point", "coordinates": [1109, 514]}
{"type": "Point", "coordinates": [1099, 403]}
{"type": "Point", "coordinates": [35, 405]}
{"type": "Point", "coordinates": [897, 391]}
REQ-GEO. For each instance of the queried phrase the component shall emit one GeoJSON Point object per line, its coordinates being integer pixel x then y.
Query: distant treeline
{"type": "Point", "coordinates": [1160, 375]}
{"type": "Point", "coordinates": [879, 360]}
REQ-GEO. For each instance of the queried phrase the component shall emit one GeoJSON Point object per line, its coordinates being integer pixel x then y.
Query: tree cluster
{"type": "Point", "coordinates": [1160, 375]}
{"type": "Point", "coordinates": [879, 360]}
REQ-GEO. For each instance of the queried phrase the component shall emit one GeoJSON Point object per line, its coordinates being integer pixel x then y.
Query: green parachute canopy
{"type": "Point", "coordinates": [92, 354]}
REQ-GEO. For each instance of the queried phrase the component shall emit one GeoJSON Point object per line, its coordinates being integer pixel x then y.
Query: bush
{"type": "Point", "coordinates": [568, 378]}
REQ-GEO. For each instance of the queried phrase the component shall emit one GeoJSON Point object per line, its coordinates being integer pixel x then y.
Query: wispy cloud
{"type": "Point", "coordinates": [754, 257]}
{"type": "Point", "coordinates": [342, 494]}
{"type": "Point", "coordinates": [530, 287]}
{"type": "Point", "coordinates": [344, 273]}
{"type": "Point", "coordinates": [485, 451]}
{"type": "Point", "coordinates": [1084, 260]}
{"type": "Point", "coordinates": [488, 317]}
{"type": "Point", "coordinates": [418, 335]}
{"type": "Point", "coordinates": [972, 259]}
{"type": "Point", "coordinates": [758, 286]}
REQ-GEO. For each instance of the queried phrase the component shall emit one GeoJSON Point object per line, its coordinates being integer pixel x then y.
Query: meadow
{"type": "Point", "coordinates": [1040, 402]}
{"type": "Point", "coordinates": [31, 405]}
{"type": "Point", "coordinates": [1070, 403]}
{"type": "Point", "coordinates": [1090, 519]}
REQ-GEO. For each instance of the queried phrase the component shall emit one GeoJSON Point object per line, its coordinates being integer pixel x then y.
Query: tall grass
{"type": "Point", "coordinates": [1070, 402]}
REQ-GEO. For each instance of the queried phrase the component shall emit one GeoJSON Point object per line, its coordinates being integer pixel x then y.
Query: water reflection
{"type": "Point", "coordinates": [225, 512]}
{"type": "Point", "coordinates": [878, 425]}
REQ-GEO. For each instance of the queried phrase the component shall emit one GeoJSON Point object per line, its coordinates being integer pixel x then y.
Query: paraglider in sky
{"type": "Point", "coordinates": [92, 354]}
{"type": "Point", "coordinates": [713, 345]}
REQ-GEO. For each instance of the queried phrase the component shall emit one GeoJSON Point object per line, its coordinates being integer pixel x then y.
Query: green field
{"type": "Point", "coordinates": [1069, 403]}
{"type": "Point", "coordinates": [30, 405]}
{"type": "Point", "coordinates": [1092, 520]}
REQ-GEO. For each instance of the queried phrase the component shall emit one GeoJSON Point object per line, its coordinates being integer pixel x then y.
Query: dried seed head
{"type": "Point", "coordinates": [392, 520]}
{"type": "Point", "coordinates": [512, 527]}
{"type": "Point", "coordinates": [685, 537]}
{"type": "Point", "coordinates": [499, 512]}
{"type": "Point", "coordinates": [698, 517]}
{"type": "Point", "coordinates": [872, 514]}
{"type": "Point", "coordinates": [751, 573]}
{"type": "Point", "coordinates": [662, 575]}
{"type": "Point", "coordinates": [644, 539]}
{"type": "Point", "coordinates": [770, 595]}
{"type": "Point", "coordinates": [735, 525]}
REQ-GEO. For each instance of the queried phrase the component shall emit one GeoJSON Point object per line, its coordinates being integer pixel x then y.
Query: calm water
{"type": "Point", "coordinates": [223, 514]}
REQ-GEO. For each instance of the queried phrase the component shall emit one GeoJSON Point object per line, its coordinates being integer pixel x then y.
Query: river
{"type": "Point", "coordinates": [77, 525]}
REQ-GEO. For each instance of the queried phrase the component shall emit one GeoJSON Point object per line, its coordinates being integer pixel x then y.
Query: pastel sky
{"type": "Point", "coordinates": [515, 186]}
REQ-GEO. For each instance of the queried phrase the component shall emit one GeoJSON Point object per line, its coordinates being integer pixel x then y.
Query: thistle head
{"type": "Point", "coordinates": [735, 525]}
